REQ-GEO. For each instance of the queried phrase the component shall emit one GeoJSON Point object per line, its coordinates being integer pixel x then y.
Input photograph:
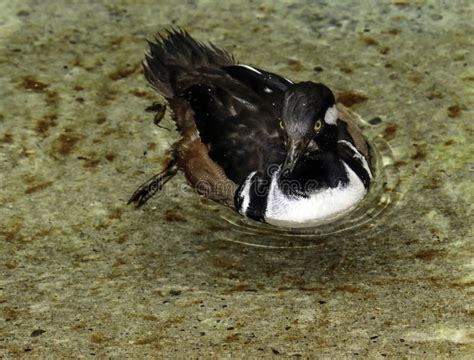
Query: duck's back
{"type": "Point", "coordinates": [239, 127]}
{"type": "Point", "coordinates": [235, 108]}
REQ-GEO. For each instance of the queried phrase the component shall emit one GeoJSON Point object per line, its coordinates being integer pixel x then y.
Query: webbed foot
{"type": "Point", "coordinates": [153, 185]}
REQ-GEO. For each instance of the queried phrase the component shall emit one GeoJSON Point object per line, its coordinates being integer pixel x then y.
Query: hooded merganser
{"type": "Point", "coordinates": [273, 150]}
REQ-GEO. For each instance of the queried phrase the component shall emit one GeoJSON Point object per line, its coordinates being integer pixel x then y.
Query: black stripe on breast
{"type": "Point", "coordinates": [347, 155]}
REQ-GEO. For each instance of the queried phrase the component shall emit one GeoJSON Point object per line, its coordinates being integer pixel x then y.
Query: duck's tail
{"type": "Point", "coordinates": [176, 54]}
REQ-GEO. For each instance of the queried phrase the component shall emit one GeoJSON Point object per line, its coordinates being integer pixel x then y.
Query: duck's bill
{"type": "Point", "coordinates": [296, 149]}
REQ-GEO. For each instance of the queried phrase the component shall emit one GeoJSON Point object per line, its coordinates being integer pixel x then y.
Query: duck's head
{"type": "Point", "coordinates": [309, 121]}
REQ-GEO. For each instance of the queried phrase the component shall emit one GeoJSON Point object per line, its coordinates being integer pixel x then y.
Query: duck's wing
{"type": "Point", "coordinates": [238, 123]}
{"type": "Point", "coordinates": [226, 113]}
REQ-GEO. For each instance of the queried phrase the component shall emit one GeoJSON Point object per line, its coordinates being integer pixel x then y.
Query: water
{"type": "Point", "coordinates": [84, 275]}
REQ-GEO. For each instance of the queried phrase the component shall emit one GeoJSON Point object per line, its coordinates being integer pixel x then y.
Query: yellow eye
{"type": "Point", "coordinates": [318, 125]}
{"type": "Point", "coordinates": [281, 125]}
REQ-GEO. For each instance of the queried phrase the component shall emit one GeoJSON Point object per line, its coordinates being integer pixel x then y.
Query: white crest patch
{"type": "Point", "coordinates": [320, 206]}
{"type": "Point", "coordinates": [331, 115]}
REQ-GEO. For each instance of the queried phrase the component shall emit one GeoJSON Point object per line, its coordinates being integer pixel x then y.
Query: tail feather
{"type": "Point", "coordinates": [177, 50]}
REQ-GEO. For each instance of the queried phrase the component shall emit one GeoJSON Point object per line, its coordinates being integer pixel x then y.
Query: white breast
{"type": "Point", "coordinates": [322, 205]}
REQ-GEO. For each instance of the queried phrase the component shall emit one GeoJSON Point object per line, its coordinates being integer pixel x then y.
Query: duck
{"type": "Point", "coordinates": [273, 150]}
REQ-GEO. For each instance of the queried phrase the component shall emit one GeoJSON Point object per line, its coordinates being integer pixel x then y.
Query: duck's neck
{"type": "Point", "coordinates": [316, 173]}
{"type": "Point", "coordinates": [319, 170]}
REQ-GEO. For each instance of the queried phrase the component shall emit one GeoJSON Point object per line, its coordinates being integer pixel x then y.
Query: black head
{"type": "Point", "coordinates": [309, 120]}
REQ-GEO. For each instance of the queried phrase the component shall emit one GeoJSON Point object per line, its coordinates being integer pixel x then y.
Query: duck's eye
{"type": "Point", "coordinates": [317, 125]}
{"type": "Point", "coordinates": [281, 125]}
